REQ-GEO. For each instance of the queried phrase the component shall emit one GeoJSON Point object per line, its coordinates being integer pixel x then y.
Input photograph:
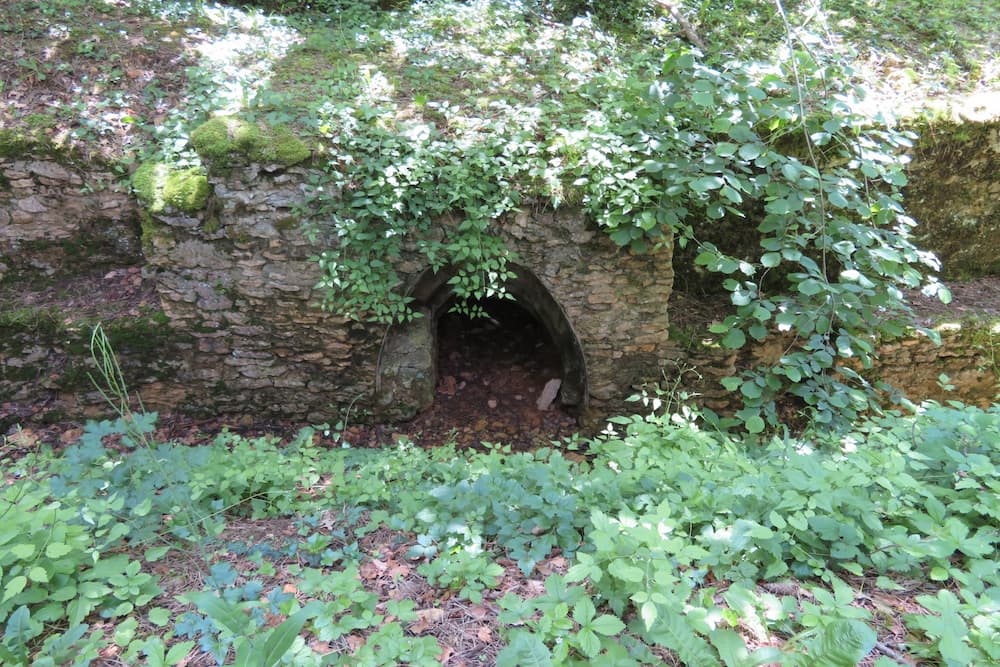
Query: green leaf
{"type": "Point", "coordinates": [770, 259]}
{"type": "Point", "coordinates": [844, 643]}
{"type": "Point", "coordinates": [282, 638]}
{"type": "Point", "coordinates": [621, 569]}
{"type": "Point", "coordinates": [706, 183]}
{"type": "Point", "coordinates": [23, 551]}
{"type": "Point", "coordinates": [754, 425]}
{"type": "Point", "coordinates": [607, 625]}
{"type": "Point", "coordinates": [810, 286]}
{"type": "Point", "coordinates": [583, 611]}
{"type": "Point", "coordinates": [14, 587]}
{"type": "Point", "coordinates": [178, 652]}
{"type": "Point", "coordinates": [750, 151]}
{"type": "Point", "coordinates": [734, 340]}
{"type": "Point", "coordinates": [222, 613]}
{"type": "Point", "coordinates": [588, 642]}
{"type": "Point", "coordinates": [57, 550]}
{"type": "Point", "coordinates": [155, 553]}
{"type": "Point", "coordinates": [703, 98]}
{"type": "Point", "coordinates": [159, 616]}
{"type": "Point", "coordinates": [731, 647]}
{"type": "Point", "coordinates": [525, 650]}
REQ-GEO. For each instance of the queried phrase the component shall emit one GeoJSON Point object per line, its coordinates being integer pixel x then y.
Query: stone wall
{"type": "Point", "coordinates": [954, 195]}
{"type": "Point", "coordinates": [967, 355]}
{"type": "Point", "coordinates": [240, 332]}
{"type": "Point", "coordinates": [53, 211]}
{"type": "Point", "coordinates": [237, 278]}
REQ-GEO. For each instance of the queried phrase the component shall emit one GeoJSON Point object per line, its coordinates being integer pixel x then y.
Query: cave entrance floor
{"type": "Point", "coordinates": [491, 372]}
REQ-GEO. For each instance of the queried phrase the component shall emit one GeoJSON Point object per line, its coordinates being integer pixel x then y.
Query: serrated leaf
{"type": "Point", "coordinates": [621, 569]}
{"type": "Point", "coordinates": [583, 611]}
{"type": "Point", "coordinates": [844, 643]}
{"type": "Point", "coordinates": [588, 642]}
{"type": "Point", "coordinates": [525, 650]}
{"type": "Point", "coordinates": [648, 612]}
{"type": "Point", "coordinates": [607, 625]}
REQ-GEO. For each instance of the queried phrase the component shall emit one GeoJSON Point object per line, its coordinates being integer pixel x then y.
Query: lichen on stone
{"type": "Point", "coordinates": [158, 186]}
{"type": "Point", "coordinates": [225, 140]}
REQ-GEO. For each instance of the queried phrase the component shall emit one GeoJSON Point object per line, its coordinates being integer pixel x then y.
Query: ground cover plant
{"type": "Point", "coordinates": [665, 543]}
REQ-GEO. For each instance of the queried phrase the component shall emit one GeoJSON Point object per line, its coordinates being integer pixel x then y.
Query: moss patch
{"type": "Point", "coordinates": [158, 186]}
{"type": "Point", "coordinates": [227, 141]}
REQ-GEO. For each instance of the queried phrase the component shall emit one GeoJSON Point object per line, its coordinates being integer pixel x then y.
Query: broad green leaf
{"type": "Point", "coordinates": [525, 650]}
{"type": "Point", "coordinates": [178, 652]}
{"type": "Point", "coordinates": [770, 259]}
{"type": "Point", "coordinates": [621, 569]}
{"type": "Point", "coordinates": [583, 611]}
{"type": "Point", "coordinates": [14, 587]}
{"type": "Point", "coordinates": [607, 625]}
{"type": "Point", "coordinates": [23, 551]}
{"type": "Point", "coordinates": [734, 340]}
{"type": "Point", "coordinates": [810, 286]}
{"type": "Point", "coordinates": [648, 612]}
{"type": "Point", "coordinates": [706, 183]}
{"type": "Point", "coordinates": [159, 616]}
{"type": "Point", "coordinates": [57, 550]}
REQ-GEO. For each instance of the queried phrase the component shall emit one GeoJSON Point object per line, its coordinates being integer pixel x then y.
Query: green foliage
{"type": "Point", "coordinates": [668, 530]}
{"type": "Point", "coordinates": [465, 569]}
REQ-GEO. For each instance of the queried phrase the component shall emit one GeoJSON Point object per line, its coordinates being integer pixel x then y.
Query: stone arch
{"type": "Point", "coordinates": [406, 375]}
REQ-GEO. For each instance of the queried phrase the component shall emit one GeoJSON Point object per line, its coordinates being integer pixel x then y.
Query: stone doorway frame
{"type": "Point", "coordinates": [406, 373]}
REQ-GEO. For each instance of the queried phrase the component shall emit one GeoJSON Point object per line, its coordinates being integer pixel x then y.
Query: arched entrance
{"type": "Point", "coordinates": [408, 368]}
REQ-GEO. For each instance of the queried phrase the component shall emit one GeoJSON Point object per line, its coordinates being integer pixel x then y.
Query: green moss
{"type": "Point", "coordinates": [226, 141]}
{"type": "Point", "coordinates": [186, 190]}
{"type": "Point", "coordinates": [289, 149]}
{"type": "Point", "coordinates": [152, 232]}
{"type": "Point", "coordinates": [286, 224]}
{"type": "Point", "coordinates": [212, 140]}
{"type": "Point", "coordinates": [158, 186]}
{"type": "Point", "coordinates": [15, 144]}
{"type": "Point", "coordinates": [144, 184]}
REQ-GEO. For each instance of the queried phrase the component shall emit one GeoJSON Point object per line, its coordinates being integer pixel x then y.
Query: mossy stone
{"type": "Point", "coordinates": [186, 190]}
{"type": "Point", "coordinates": [158, 185]}
{"type": "Point", "coordinates": [226, 141]}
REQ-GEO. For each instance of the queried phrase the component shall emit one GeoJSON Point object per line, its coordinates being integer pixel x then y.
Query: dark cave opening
{"type": "Point", "coordinates": [498, 377]}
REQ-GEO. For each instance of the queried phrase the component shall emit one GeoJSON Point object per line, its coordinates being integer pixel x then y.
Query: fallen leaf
{"type": "Point", "coordinates": [478, 612]}
{"type": "Point", "coordinates": [484, 634]}
{"type": "Point", "coordinates": [425, 618]}
{"type": "Point", "coordinates": [445, 654]}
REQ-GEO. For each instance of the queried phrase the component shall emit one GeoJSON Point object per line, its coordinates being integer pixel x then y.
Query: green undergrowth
{"type": "Point", "coordinates": [676, 539]}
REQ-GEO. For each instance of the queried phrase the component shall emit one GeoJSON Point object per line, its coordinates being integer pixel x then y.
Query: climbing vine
{"type": "Point", "coordinates": [655, 146]}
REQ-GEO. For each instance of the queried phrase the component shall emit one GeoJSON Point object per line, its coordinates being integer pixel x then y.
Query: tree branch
{"type": "Point", "coordinates": [685, 25]}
